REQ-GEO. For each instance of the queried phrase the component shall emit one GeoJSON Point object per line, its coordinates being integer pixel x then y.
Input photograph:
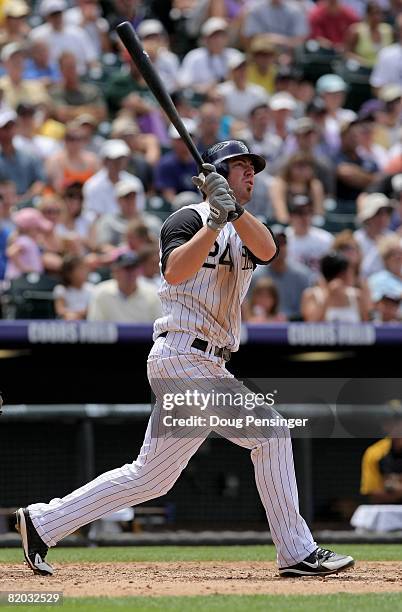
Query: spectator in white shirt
{"type": "Point", "coordinates": [111, 228]}
{"type": "Point", "coordinates": [387, 70]}
{"type": "Point", "coordinates": [99, 190]}
{"type": "Point", "coordinates": [73, 295]}
{"type": "Point", "coordinates": [208, 65]}
{"type": "Point", "coordinates": [375, 216]}
{"type": "Point", "coordinates": [126, 298]}
{"type": "Point", "coordinates": [27, 137]}
{"type": "Point", "coordinates": [332, 88]}
{"type": "Point", "coordinates": [240, 96]}
{"type": "Point", "coordinates": [306, 244]}
{"type": "Point", "coordinates": [62, 37]}
{"type": "Point", "coordinates": [283, 107]}
{"type": "Point", "coordinates": [153, 36]}
{"type": "Point", "coordinates": [87, 15]}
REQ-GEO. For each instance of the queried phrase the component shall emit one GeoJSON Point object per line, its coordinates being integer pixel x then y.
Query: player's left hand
{"type": "Point", "coordinates": [209, 180]}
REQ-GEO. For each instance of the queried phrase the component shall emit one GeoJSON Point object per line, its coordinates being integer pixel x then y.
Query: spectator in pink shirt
{"type": "Point", "coordinates": [23, 252]}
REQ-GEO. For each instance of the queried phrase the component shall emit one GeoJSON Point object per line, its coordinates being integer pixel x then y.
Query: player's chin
{"type": "Point", "coordinates": [248, 192]}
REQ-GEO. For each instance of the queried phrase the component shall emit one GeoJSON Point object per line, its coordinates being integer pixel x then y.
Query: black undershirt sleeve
{"type": "Point", "coordinates": [260, 262]}
{"type": "Point", "coordinates": [177, 230]}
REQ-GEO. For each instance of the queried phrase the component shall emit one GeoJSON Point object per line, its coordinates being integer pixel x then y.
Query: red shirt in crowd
{"type": "Point", "coordinates": [330, 24]}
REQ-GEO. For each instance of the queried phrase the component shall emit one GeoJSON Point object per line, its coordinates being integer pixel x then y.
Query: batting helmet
{"type": "Point", "coordinates": [219, 154]}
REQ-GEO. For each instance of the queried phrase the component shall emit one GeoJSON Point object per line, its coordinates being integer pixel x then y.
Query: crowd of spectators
{"type": "Point", "coordinates": [90, 168]}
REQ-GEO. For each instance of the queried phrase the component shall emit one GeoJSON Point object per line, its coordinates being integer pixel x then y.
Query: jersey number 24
{"type": "Point", "coordinates": [224, 260]}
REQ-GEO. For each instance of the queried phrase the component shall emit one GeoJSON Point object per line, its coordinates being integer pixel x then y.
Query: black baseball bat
{"type": "Point", "coordinates": [141, 59]}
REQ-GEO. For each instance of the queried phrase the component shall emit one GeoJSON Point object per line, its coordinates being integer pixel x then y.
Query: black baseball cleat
{"type": "Point", "coordinates": [321, 562]}
{"type": "Point", "coordinates": [35, 550]}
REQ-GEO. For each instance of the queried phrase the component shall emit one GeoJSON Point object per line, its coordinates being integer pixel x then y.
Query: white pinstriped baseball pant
{"type": "Point", "coordinates": [163, 456]}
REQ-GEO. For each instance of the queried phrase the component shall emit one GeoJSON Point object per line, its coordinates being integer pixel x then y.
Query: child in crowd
{"type": "Point", "coordinates": [263, 306]}
{"type": "Point", "coordinates": [23, 250]}
{"type": "Point", "coordinates": [73, 295]}
{"type": "Point", "coordinates": [138, 236]}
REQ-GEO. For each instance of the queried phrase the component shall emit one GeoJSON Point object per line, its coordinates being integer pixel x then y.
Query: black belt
{"type": "Point", "coordinates": [202, 345]}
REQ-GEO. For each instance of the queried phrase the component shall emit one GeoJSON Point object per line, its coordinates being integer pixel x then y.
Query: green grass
{"type": "Point", "coordinates": [386, 602]}
{"type": "Point", "coordinates": [362, 552]}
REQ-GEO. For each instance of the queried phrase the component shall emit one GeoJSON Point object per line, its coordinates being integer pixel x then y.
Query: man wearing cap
{"type": "Point", "coordinates": [374, 216]}
{"type": "Point", "coordinates": [27, 137]}
{"type": "Point", "coordinates": [15, 27]}
{"type": "Point", "coordinates": [25, 170]}
{"type": "Point", "coordinates": [145, 149]}
{"type": "Point", "coordinates": [261, 68]}
{"type": "Point", "coordinates": [391, 186]}
{"type": "Point", "coordinates": [305, 138]}
{"type": "Point", "coordinates": [72, 97]}
{"type": "Point", "coordinates": [283, 107]}
{"type": "Point", "coordinates": [174, 171]}
{"type": "Point", "coordinates": [208, 65]}
{"type": "Point", "coordinates": [99, 190]}
{"type": "Point", "coordinates": [15, 87]}
{"type": "Point", "coordinates": [332, 89]}
{"type": "Point", "coordinates": [156, 44]}
{"type": "Point", "coordinates": [283, 21]}
{"type": "Point", "coordinates": [126, 298]}
{"type": "Point", "coordinates": [111, 228]}
{"type": "Point", "coordinates": [240, 96]}
{"type": "Point", "coordinates": [61, 37]}
{"type": "Point", "coordinates": [387, 306]}
{"type": "Point", "coordinates": [385, 112]}
{"type": "Point", "coordinates": [306, 244]}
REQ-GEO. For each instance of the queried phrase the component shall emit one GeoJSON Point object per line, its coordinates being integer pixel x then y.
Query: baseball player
{"type": "Point", "coordinates": [208, 253]}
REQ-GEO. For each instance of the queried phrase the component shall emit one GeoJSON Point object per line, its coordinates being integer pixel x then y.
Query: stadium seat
{"type": "Point", "coordinates": [159, 206]}
{"type": "Point", "coordinates": [29, 297]}
{"type": "Point", "coordinates": [357, 78]}
{"type": "Point", "coordinates": [314, 60]}
{"type": "Point", "coordinates": [340, 215]}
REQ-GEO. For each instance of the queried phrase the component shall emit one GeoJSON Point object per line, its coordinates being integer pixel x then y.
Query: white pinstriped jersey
{"type": "Point", "coordinates": [208, 304]}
